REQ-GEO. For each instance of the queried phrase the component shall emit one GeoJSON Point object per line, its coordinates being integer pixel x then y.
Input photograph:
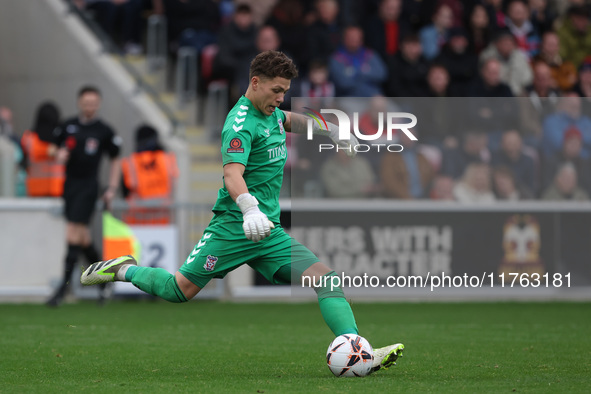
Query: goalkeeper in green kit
{"type": "Point", "coordinates": [245, 228]}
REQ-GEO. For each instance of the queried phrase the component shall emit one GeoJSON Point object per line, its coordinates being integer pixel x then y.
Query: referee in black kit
{"type": "Point", "coordinates": [81, 142]}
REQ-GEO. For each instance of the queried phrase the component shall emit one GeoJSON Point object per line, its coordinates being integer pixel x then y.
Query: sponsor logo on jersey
{"type": "Point", "coordinates": [91, 146]}
{"type": "Point", "coordinates": [236, 146]}
{"type": "Point", "coordinates": [267, 132]}
{"type": "Point", "coordinates": [277, 153]}
{"type": "Point", "coordinates": [280, 126]}
{"type": "Point", "coordinates": [210, 263]}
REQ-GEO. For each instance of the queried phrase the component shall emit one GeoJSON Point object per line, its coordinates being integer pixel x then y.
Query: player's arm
{"type": "Point", "coordinates": [114, 179]}
{"type": "Point", "coordinates": [113, 149]}
{"type": "Point", "coordinates": [256, 224]}
{"type": "Point", "coordinates": [298, 124]}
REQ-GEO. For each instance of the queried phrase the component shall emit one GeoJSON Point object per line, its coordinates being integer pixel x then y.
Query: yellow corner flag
{"type": "Point", "coordinates": [118, 239]}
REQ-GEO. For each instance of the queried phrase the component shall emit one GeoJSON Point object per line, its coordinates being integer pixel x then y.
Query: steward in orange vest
{"type": "Point", "coordinates": [148, 180]}
{"type": "Point", "coordinates": [45, 178]}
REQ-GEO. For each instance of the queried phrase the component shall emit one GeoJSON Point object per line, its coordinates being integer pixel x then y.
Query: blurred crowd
{"type": "Point", "coordinates": [529, 62]}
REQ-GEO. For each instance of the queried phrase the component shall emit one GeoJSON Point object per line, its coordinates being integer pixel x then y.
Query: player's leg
{"type": "Point", "coordinates": [199, 268]}
{"type": "Point", "coordinates": [92, 256]}
{"type": "Point", "coordinates": [74, 236]}
{"type": "Point", "coordinates": [152, 280]}
{"type": "Point", "coordinates": [306, 270]}
{"type": "Point", "coordinates": [284, 260]}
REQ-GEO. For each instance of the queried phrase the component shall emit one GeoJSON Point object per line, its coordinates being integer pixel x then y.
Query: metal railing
{"type": "Point", "coordinates": [186, 76]}
{"type": "Point", "coordinates": [216, 108]}
{"type": "Point", "coordinates": [109, 46]}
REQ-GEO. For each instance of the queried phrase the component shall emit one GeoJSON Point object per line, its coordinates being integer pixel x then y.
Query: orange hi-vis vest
{"type": "Point", "coordinates": [149, 176]}
{"type": "Point", "coordinates": [45, 177]}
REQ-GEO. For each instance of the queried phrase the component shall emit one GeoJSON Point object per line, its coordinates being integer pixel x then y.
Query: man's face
{"type": "Point", "coordinates": [550, 45]}
{"type": "Point", "coordinates": [438, 79]}
{"type": "Point", "coordinates": [491, 73]}
{"type": "Point", "coordinates": [353, 39]}
{"type": "Point", "coordinates": [580, 23]}
{"type": "Point", "coordinates": [243, 20]}
{"type": "Point", "coordinates": [542, 77]}
{"type": "Point", "coordinates": [518, 13]}
{"type": "Point", "coordinates": [269, 93]}
{"type": "Point", "coordinates": [511, 143]}
{"type": "Point", "coordinates": [572, 147]}
{"type": "Point", "coordinates": [458, 44]}
{"type": "Point", "coordinates": [585, 76]}
{"type": "Point", "coordinates": [411, 50]}
{"type": "Point", "coordinates": [571, 105]}
{"type": "Point", "coordinates": [89, 104]}
{"type": "Point", "coordinates": [390, 9]}
{"type": "Point", "coordinates": [444, 17]}
{"type": "Point", "coordinates": [504, 184]}
{"type": "Point", "coordinates": [566, 180]}
{"type": "Point", "coordinates": [267, 39]}
{"type": "Point", "coordinates": [328, 10]}
{"type": "Point", "coordinates": [505, 46]}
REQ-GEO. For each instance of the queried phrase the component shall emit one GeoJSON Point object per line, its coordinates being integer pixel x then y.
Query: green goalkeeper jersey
{"type": "Point", "coordinates": [258, 141]}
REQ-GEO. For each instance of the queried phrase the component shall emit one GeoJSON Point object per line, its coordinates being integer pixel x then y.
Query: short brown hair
{"type": "Point", "coordinates": [271, 64]}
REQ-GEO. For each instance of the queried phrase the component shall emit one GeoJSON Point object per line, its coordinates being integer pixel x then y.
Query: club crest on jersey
{"type": "Point", "coordinates": [236, 146]}
{"type": "Point", "coordinates": [280, 126]}
{"type": "Point", "coordinates": [91, 146]}
{"type": "Point", "coordinates": [210, 263]}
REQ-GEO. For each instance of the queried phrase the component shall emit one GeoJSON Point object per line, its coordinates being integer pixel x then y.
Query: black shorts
{"type": "Point", "coordinates": [80, 199]}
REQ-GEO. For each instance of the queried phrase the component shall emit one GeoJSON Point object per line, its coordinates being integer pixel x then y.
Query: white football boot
{"type": "Point", "coordinates": [385, 357]}
{"type": "Point", "coordinates": [105, 271]}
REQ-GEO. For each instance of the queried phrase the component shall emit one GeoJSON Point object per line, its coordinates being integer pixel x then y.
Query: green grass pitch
{"type": "Point", "coordinates": [276, 348]}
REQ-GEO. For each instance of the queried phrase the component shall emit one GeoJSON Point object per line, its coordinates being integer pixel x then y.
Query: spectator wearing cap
{"type": "Point", "coordinates": [435, 35]}
{"type": "Point", "coordinates": [515, 69]}
{"type": "Point", "coordinates": [568, 114]}
{"type": "Point", "coordinates": [523, 30]}
{"type": "Point", "coordinates": [564, 73]}
{"type": "Point", "coordinates": [575, 35]}
{"type": "Point", "coordinates": [356, 70]}
{"type": "Point", "coordinates": [407, 70]}
{"type": "Point", "coordinates": [565, 186]}
{"type": "Point", "coordinates": [570, 153]}
{"type": "Point", "coordinates": [583, 87]}
{"type": "Point", "coordinates": [461, 63]}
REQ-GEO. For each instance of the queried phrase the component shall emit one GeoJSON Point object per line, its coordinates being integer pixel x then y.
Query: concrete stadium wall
{"type": "Point", "coordinates": [48, 54]}
{"type": "Point", "coordinates": [32, 247]}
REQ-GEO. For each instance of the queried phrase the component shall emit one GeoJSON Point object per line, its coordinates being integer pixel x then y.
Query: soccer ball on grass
{"type": "Point", "coordinates": [349, 355]}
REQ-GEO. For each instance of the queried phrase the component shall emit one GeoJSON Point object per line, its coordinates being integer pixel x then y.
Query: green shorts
{"type": "Point", "coordinates": [222, 249]}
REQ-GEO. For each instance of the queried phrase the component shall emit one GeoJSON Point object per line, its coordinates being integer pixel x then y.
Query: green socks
{"type": "Point", "coordinates": [335, 309]}
{"type": "Point", "coordinates": [155, 281]}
